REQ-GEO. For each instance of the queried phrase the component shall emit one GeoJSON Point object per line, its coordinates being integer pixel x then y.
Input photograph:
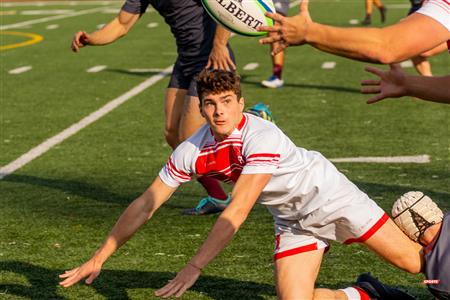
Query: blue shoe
{"type": "Point", "coordinates": [273, 82]}
{"type": "Point", "coordinates": [261, 110]}
{"type": "Point", "coordinates": [208, 205]}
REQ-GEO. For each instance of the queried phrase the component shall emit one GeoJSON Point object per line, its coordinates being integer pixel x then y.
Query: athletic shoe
{"type": "Point", "coordinates": [367, 20]}
{"type": "Point", "coordinates": [273, 82]}
{"type": "Point", "coordinates": [208, 205]}
{"type": "Point", "coordinates": [382, 13]}
{"type": "Point", "coordinates": [261, 110]}
{"type": "Point", "coordinates": [379, 291]}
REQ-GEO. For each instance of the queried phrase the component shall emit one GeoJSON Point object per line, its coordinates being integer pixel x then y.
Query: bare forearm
{"type": "Point", "coordinates": [221, 36]}
{"type": "Point", "coordinates": [219, 237]}
{"type": "Point", "coordinates": [435, 89]}
{"type": "Point", "coordinates": [363, 44]}
{"type": "Point", "coordinates": [108, 34]}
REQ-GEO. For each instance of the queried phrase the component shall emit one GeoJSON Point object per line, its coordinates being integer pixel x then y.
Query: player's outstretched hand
{"type": "Point", "coordinates": [80, 39]}
{"type": "Point", "coordinates": [177, 286]}
{"type": "Point", "coordinates": [287, 31]}
{"type": "Point", "coordinates": [220, 59]}
{"type": "Point", "coordinates": [90, 269]}
{"type": "Point", "coordinates": [390, 85]}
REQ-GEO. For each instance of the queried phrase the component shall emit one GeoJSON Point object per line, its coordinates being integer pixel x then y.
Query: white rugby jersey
{"type": "Point", "coordinates": [301, 182]}
{"type": "Point", "coordinates": [439, 10]}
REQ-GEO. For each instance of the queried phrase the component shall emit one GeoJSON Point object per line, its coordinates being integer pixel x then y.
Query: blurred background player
{"type": "Point", "coordinates": [200, 43]}
{"type": "Point", "coordinates": [369, 8]}
{"type": "Point", "coordinates": [275, 81]}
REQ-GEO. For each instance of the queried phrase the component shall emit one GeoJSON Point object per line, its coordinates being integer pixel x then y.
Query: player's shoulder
{"type": "Point", "coordinates": [257, 125]}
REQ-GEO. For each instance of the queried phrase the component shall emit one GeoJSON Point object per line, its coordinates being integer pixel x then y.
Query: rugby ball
{"type": "Point", "coordinates": [241, 16]}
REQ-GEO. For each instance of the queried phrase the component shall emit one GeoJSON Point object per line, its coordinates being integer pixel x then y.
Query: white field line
{"type": "Point", "coordinates": [96, 69]}
{"type": "Point", "coordinates": [43, 20]}
{"type": "Point", "coordinates": [251, 66]}
{"type": "Point", "coordinates": [46, 12]}
{"type": "Point", "coordinates": [20, 70]}
{"type": "Point", "coordinates": [416, 159]}
{"type": "Point", "coordinates": [328, 65]}
{"type": "Point", "coordinates": [144, 70]}
{"type": "Point", "coordinates": [52, 26]}
{"type": "Point", "coordinates": [100, 26]}
{"type": "Point", "coordinates": [152, 25]}
{"type": "Point", "coordinates": [407, 64]}
{"type": "Point", "coordinates": [68, 132]}
{"type": "Point", "coordinates": [353, 21]}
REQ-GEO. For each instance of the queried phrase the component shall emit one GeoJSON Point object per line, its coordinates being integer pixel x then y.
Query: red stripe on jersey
{"type": "Point", "coordinates": [369, 232]}
{"type": "Point", "coordinates": [306, 248]}
{"type": "Point", "coordinates": [242, 122]}
{"type": "Point", "coordinates": [264, 155]}
{"type": "Point", "coordinates": [177, 173]}
{"type": "Point", "coordinates": [448, 46]}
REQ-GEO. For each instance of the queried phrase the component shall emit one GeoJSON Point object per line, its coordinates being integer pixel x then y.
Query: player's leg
{"type": "Point", "coordinates": [296, 274]}
{"type": "Point", "coordinates": [422, 65]}
{"type": "Point", "coordinates": [381, 8]}
{"type": "Point", "coordinates": [368, 18]}
{"type": "Point", "coordinates": [191, 119]}
{"type": "Point", "coordinates": [173, 109]}
{"type": "Point", "coordinates": [395, 247]}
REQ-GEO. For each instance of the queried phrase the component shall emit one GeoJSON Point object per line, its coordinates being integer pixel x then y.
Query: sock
{"type": "Point", "coordinates": [213, 187]}
{"type": "Point", "coordinates": [277, 69]}
{"type": "Point", "coordinates": [355, 293]}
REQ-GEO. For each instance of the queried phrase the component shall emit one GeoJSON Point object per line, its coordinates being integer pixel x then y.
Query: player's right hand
{"type": "Point", "coordinates": [90, 269]}
{"type": "Point", "coordinates": [80, 39]}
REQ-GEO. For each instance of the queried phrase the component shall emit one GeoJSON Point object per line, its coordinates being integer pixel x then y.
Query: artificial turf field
{"type": "Point", "coordinates": [56, 210]}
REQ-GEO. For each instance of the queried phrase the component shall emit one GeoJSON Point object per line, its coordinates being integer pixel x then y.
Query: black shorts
{"type": "Point", "coordinates": [439, 294]}
{"type": "Point", "coordinates": [185, 71]}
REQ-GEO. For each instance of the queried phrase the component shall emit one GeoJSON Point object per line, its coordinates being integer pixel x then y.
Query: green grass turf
{"type": "Point", "coordinates": [57, 210]}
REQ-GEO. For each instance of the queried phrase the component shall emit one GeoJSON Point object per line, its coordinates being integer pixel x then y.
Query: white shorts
{"type": "Point", "coordinates": [353, 221]}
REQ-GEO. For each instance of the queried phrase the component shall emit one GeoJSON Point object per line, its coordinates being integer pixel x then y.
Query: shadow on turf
{"type": "Point", "coordinates": [307, 86]}
{"type": "Point", "coordinates": [113, 284]}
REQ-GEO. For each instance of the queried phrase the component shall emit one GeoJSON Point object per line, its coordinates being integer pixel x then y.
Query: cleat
{"type": "Point", "coordinates": [261, 110]}
{"type": "Point", "coordinates": [383, 14]}
{"type": "Point", "coordinates": [367, 20]}
{"type": "Point", "coordinates": [379, 291]}
{"type": "Point", "coordinates": [273, 82]}
{"type": "Point", "coordinates": [208, 205]}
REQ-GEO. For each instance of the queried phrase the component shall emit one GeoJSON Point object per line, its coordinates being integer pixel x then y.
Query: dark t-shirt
{"type": "Point", "coordinates": [190, 24]}
{"type": "Point", "coordinates": [437, 262]}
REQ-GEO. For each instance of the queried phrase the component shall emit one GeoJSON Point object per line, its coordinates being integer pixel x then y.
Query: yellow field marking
{"type": "Point", "coordinates": [34, 38]}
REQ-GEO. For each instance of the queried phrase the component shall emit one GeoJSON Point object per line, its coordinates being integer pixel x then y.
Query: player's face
{"type": "Point", "coordinates": [223, 112]}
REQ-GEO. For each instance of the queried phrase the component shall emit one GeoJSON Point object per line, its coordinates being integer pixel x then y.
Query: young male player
{"type": "Point", "coordinates": [311, 201]}
{"type": "Point", "coordinates": [200, 44]}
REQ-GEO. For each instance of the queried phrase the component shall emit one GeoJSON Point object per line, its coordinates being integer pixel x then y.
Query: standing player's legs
{"type": "Point", "coordinates": [173, 109]}
{"type": "Point", "coordinates": [191, 119]}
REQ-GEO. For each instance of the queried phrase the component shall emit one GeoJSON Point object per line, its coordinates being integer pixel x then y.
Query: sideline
{"type": "Point", "coordinates": [68, 132]}
{"type": "Point", "coordinates": [35, 38]}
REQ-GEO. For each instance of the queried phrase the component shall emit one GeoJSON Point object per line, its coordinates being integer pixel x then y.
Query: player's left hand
{"type": "Point", "coordinates": [391, 84]}
{"type": "Point", "coordinates": [287, 30]}
{"type": "Point", "coordinates": [177, 286]}
{"type": "Point", "coordinates": [220, 59]}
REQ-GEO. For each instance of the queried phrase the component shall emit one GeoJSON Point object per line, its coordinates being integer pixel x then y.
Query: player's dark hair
{"type": "Point", "coordinates": [216, 82]}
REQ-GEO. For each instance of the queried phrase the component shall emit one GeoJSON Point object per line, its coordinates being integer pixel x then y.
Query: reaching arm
{"type": "Point", "coordinates": [395, 83]}
{"type": "Point", "coordinates": [394, 43]}
{"type": "Point", "coordinates": [220, 56]}
{"type": "Point", "coordinates": [136, 215]}
{"type": "Point", "coordinates": [108, 34]}
{"type": "Point", "coordinates": [244, 195]}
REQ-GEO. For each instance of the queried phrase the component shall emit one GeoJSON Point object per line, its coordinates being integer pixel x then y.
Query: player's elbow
{"type": "Point", "coordinates": [411, 265]}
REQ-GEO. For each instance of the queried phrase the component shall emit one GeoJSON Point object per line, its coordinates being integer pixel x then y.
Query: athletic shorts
{"type": "Point", "coordinates": [281, 6]}
{"type": "Point", "coordinates": [185, 71]}
{"type": "Point", "coordinates": [354, 221]}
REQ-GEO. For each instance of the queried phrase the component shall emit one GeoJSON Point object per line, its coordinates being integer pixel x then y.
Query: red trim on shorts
{"type": "Point", "coordinates": [362, 293]}
{"type": "Point", "coordinates": [369, 232]}
{"type": "Point", "coordinates": [301, 249]}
